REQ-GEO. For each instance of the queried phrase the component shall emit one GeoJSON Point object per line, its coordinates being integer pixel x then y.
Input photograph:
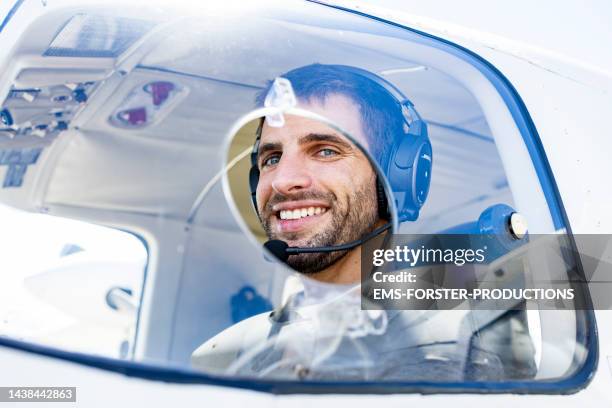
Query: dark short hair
{"type": "Point", "coordinates": [381, 114]}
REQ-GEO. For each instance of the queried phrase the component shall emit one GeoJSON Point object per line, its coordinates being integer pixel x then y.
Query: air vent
{"type": "Point", "coordinates": [97, 36]}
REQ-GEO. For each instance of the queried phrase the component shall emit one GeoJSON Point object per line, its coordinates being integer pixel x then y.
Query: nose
{"type": "Point", "coordinates": [291, 175]}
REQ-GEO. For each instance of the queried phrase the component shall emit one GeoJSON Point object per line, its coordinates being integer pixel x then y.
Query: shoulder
{"type": "Point", "coordinates": [217, 353]}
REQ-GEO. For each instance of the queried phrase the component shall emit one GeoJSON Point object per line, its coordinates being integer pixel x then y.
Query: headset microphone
{"type": "Point", "coordinates": [282, 250]}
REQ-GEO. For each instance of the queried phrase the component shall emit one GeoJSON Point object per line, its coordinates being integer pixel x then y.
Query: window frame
{"type": "Point", "coordinates": [586, 326]}
{"type": "Point", "coordinates": [11, 342]}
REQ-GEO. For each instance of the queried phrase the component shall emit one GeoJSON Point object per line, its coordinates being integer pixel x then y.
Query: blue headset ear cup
{"type": "Point", "coordinates": [409, 173]}
{"type": "Point", "coordinates": [253, 181]}
{"type": "Point", "coordinates": [254, 171]}
{"type": "Point", "coordinates": [421, 174]}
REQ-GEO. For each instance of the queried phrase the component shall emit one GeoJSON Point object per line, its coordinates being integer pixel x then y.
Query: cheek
{"type": "Point", "coordinates": [263, 192]}
{"type": "Point", "coordinates": [345, 179]}
{"type": "Point", "coordinates": [363, 185]}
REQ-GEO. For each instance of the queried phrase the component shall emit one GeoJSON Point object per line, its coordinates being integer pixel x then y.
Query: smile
{"type": "Point", "coordinates": [298, 213]}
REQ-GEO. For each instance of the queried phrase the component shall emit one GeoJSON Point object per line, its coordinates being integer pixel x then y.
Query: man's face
{"type": "Point", "coordinates": [316, 188]}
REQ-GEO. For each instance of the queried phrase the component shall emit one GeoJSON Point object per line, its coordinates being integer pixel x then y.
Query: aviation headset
{"type": "Point", "coordinates": [407, 166]}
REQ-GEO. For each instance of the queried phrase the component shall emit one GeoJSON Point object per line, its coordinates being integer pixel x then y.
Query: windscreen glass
{"type": "Point", "coordinates": [323, 197]}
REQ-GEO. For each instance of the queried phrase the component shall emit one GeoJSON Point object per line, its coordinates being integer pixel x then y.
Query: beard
{"type": "Point", "coordinates": [350, 221]}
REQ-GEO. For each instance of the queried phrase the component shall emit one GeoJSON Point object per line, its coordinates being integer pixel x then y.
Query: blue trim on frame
{"type": "Point", "coordinates": [565, 386]}
{"type": "Point", "coordinates": [280, 387]}
{"type": "Point", "coordinates": [10, 14]}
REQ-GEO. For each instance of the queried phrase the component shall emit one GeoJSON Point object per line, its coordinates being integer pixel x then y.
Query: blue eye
{"type": "Point", "coordinates": [271, 161]}
{"type": "Point", "coordinates": [327, 152]}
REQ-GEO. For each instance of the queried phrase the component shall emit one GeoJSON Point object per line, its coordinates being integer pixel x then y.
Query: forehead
{"type": "Point", "coordinates": [338, 109]}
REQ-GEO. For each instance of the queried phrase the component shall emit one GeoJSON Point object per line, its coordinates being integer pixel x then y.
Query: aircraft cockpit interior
{"type": "Point", "coordinates": [127, 139]}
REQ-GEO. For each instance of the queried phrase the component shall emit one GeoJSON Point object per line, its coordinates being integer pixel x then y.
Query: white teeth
{"type": "Point", "coordinates": [300, 213]}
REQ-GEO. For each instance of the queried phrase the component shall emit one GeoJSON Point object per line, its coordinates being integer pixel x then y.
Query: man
{"type": "Point", "coordinates": [316, 188]}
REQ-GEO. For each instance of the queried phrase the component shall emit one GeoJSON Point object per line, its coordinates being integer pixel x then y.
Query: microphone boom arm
{"type": "Point", "coordinates": [343, 247]}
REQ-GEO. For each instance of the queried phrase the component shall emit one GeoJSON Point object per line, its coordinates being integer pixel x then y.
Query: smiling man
{"type": "Point", "coordinates": [317, 188]}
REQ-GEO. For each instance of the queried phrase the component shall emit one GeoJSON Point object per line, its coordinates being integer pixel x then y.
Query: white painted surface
{"type": "Point", "coordinates": [570, 107]}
